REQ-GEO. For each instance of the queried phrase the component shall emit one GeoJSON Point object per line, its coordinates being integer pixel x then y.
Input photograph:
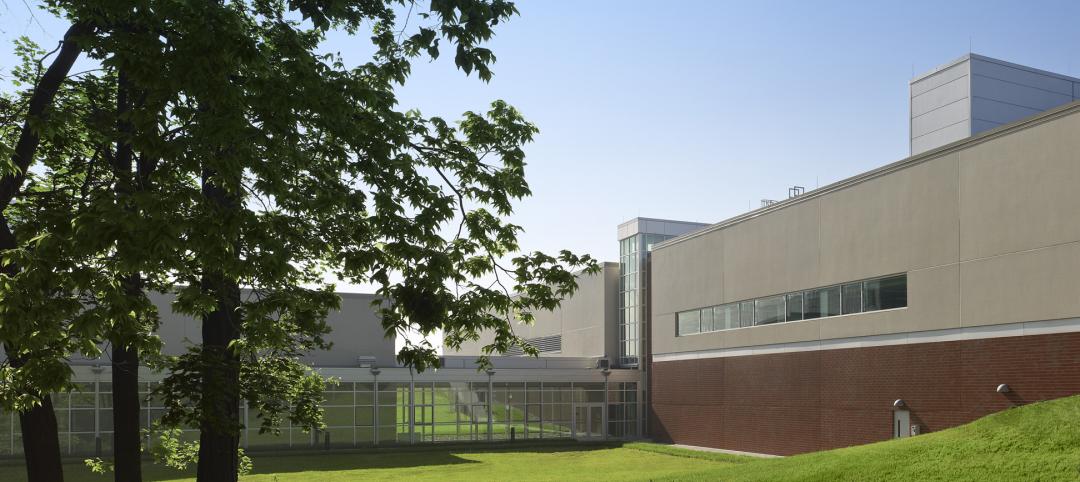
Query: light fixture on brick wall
{"type": "Point", "coordinates": [1003, 388]}
{"type": "Point", "coordinates": [899, 403]}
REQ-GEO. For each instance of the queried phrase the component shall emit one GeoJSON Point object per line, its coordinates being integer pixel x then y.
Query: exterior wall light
{"type": "Point", "coordinates": [899, 403]}
{"type": "Point", "coordinates": [1003, 388]}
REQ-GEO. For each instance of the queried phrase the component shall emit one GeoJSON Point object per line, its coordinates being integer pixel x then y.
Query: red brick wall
{"type": "Point", "coordinates": [801, 402]}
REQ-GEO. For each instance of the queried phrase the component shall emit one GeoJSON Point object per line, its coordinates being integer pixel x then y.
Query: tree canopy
{"type": "Point", "coordinates": [217, 152]}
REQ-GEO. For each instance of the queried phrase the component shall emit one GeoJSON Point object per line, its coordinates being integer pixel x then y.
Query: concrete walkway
{"type": "Point", "coordinates": [729, 452]}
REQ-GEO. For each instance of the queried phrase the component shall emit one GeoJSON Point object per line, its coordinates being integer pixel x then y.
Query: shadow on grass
{"type": "Point", "coordinates": [400, 457]}
{"type": "Point", "coordinates": [286, 462]}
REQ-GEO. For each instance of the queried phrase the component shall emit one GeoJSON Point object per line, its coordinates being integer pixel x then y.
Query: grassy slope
{"type": "Point", "coordinates": [1035, 442]}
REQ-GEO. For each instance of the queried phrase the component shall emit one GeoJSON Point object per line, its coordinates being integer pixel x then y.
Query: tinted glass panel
{"type": "Point", "coordinates": [821, 302]}
{"type": "Point", "coordinates": [812, 305]}
{"type": "Point", "coordinates": [726, 316]}
{"type": "Point", "coordinates": [707, 320]}
{"type": "Point", "coordinates": [746, 313]}
{"type": "Point", "coordinates": [870, 295]}
{"type": "Point", "coordinates": [770, 310]}
{"type": "Point", "coordinates": [689, 322]}
{"type": "Point", "coordinates": [795, 307]}
{"type": "Point", "coordinates": [830, 301]}
{"type": "Point", "coordinates": [852, 298]}
{"type": "Point", "coordinates": [885, 293]}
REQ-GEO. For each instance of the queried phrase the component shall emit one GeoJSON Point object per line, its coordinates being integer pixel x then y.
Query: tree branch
{"type": "Point", "coordinates": [43, 96]}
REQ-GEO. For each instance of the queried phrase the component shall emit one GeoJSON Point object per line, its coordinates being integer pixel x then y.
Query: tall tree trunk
{"type": "Point", "coordinates": [219, 436]}
{"type": "Point", "coordinates": [219, 432]}
{"type": "Point", "coordinates": [41, 446]}
{"type": "Point", "coordinates": [41, 443]}
{"type": "Point", "coordinates": [40, 439]}
{"type": "Point", "coordinates": [125, 397]}
{"type": "Point", "coordinates": [125, 352]}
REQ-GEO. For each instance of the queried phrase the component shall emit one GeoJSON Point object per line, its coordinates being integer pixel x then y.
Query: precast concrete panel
{"type": "Point", "coordinates": [986, 232]}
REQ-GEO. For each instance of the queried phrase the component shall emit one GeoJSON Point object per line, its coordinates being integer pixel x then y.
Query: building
{"type": "Point", "coordinates": [377, 402]}
{"type": "Point", "coordinates": [584, 326]}
{"type": "Point", "coordinates": [911, 298]}
{"type": "Point", "coordinates": [907, 299]}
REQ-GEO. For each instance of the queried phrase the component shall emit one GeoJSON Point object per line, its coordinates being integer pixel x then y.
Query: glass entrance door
{"type": "Point", "coordinates": [589, 421]}
{"type": "Point", "coordinates": [479, 426]}
{"type": "Point", "coordinates": [596, 421]}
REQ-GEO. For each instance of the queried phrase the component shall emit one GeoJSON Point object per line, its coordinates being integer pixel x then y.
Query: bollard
{"type": "Point", "coordinates": [512, 433]}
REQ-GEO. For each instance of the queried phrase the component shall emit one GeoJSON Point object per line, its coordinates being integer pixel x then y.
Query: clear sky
{"type": "Point", "coordinates": [691, 110]}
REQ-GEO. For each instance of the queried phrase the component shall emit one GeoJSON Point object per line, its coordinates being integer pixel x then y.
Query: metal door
{"type": "Point", "coordinates": [901, 424]}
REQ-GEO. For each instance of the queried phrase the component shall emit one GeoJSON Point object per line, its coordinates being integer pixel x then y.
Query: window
{"type": "Point", "coordinates": [746, 313]}
{"type": "Point", "coordinates": [689, 322]}
{"type": "Point", "coordinates": [795, 307]}
{"type": "Point", "coordinates": [821, 302]}
{"type": "Point", "coordinates": [726, 316]}
{"type": "Point", "coordinates": [707, 320]}
{"type": "Point", "coordinates": [851, 298]}
{"type": "Point", "coordinates": [769, 310]}
{"type": "Point", "coordinates": [885, 293]}
{"type": "Point", "coordinates": [862, 296]}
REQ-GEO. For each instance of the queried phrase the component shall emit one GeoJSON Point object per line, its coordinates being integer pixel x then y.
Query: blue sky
{"type": "Point", "coordinates": [692, 110]}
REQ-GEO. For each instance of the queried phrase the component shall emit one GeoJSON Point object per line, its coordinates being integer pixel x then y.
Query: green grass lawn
{"type": "Point", "coordinates": [1040, 441]}
{"type": "Point", "coordinates": [1036, 442]}
{"type": "Point", "coordinates": [566, 461]}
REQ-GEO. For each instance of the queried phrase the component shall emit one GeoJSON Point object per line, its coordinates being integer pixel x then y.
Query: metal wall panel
{"type": "Point", "coordinates": [1018, 75]}
{"type": "Point", "coordinates": [940, 118]}
{"type": "Point", "coordinates": [978, 93]}
{"type": "Point", "coordinates": [999, 112]}
{"type": "Point", "coordinates": [941, 137]}
{"type": "Point", "coordinates": [1016, 94]}
{"type": "Point", "coordinates": [944, 95]}
{"type": "Point", "coordinates": [943, 76]}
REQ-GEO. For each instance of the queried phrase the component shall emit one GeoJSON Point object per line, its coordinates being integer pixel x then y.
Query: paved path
{"type": "Point", "coordinates": [723, 451]}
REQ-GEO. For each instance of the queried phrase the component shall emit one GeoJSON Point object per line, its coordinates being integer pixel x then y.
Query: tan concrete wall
{"type": "Point", "coordinates": [355, 331]}
{"type": "Point", "coordinates": [587, 320]}
{"type": "Point", "coordinates": [987, 229]}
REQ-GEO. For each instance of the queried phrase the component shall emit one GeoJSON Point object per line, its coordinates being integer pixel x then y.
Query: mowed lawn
{"type": "Point", "coordinates": [1040, 441]}
{"type": "Point", "coordinates": [572, 461]}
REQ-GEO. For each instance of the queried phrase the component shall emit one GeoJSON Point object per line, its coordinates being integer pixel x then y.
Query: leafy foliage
{"type": "Point", "coordinates": [172, 451]}
{"type": "Point", "coordinates": [218, 153]}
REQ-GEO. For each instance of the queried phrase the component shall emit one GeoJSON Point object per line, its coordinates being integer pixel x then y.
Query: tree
{"type": "Point", "coordinates": [32, 368]}
{"type": "Point", "coordinates": [274, 164]}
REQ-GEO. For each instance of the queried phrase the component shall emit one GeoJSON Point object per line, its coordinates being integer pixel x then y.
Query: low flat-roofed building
{"type": "Point", "coordinates": [583, 326]}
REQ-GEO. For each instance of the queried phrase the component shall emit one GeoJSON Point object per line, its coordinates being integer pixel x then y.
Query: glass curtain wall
{"type": "Point", "coordinates": [633, 254]}
{"type": "Point", "coordinates": [416, 412]}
